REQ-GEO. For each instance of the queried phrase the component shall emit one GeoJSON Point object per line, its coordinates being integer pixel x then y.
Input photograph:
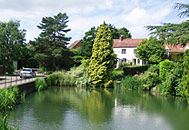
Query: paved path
{"type": "Point", "coordinates": [6, 81]}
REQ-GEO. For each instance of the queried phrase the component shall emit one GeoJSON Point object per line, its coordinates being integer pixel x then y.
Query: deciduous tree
{"type": "Point", "coordinates": [151, 51]}
{"type": "Point", "coordinates": [11, 42]}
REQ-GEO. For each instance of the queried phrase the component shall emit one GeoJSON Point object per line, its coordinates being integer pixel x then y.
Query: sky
{"type": "Point", "coordinates": [84, 14]}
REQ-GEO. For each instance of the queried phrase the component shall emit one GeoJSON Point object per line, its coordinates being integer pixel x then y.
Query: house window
{"type": "Point", "coordinates": [123, 51]}
{"type": "Point", "coordinates": [124, 60]}
{"type": "Point", "coordinates": [135, 51]}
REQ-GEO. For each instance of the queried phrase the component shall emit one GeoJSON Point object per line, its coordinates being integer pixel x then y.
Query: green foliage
{"type": "Point", "coordinates": [40, 84]}
{"type": "Point", "coordinates": [130, 82]}
{"type": "Point", "coordinates": [185, 78]}
{"type": "Point", "coordinates": [88, 39]}
{"type": "Point", "coordinates": [51, 46]}
{"type": "Point", "coordinates": [124, 64]}
{"type": "Point", "coordinates": [23, 95]}
{"type": "Point", "coordinates": [11, 43]}
{"type": "Point", "coordinates": [27, 58]}
{"type": "Point", "coordinates": [87, 42]}
{"type": "Point", "coordinates": [117, 33]}
{"type": "Point", "coordinates": [176, 56]}
{"type": "Point", "coordinates": [124, 32]}
{"type": "Point", "coordinates": [165, 66]}
{"type": "Point", "coordinates": [55, 79]}
{"type": "Point", "coordinates": [173, 33]}
{"type": "Point", "coordinates": [184, 8]}
{"type": "Point", "coordinates": [8, 98]}
{"type": "Point", "coordinates": [77, 76]}
{"type": "Point", "coordinates": [103, 58]}
{"type": "Point", "coordinates": [77, 57]}
{"type": "Point", "coordinates": [150, 78]}
{"type": "Point", "coordinates": [151, 51]}
{"type": "Point", "coordinates": [4, 125]}
{"type": "Point", "coordinates": [132, 70]}
{"type": "Point", "coordinates": [171, 85]}
{"type": "Point", "coordinates": [117, 74]}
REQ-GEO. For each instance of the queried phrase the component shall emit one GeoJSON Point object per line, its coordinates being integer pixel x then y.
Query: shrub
{"type": "Point", "coordinates": [55, 79]}
{"type": "Point", "coordinates": [40, 84]}
{"type": "Point", "coordinates": [124, 64]}
{"type": "Point", "coordinates": [172, 83]}
{"type": "Point", "coordinates": [130, 82]}
{"type": "Point", "coordinates": [77, 76]}
{"type": "Point", "coordinates": [132, 70]}
{"type": "Point", "coordinates": [185, 78]}
{"type": "Point", "coordinates": [8, 98]}
{"type": "Point", "coordinates": [150, 78]}
{"type": "Point", "coordinates": [165, 66]}
{"type": "Point", "coordinates": [117, 74]}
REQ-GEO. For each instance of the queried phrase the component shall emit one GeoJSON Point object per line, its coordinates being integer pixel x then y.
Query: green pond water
{"type": "Point", "coordinates": [64, 108]}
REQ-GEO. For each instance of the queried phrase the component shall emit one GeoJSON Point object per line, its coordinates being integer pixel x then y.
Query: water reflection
{"type": "Point", "coordinates": [173, 110]}
{"type": "Point", "coordinates": [76, 108]}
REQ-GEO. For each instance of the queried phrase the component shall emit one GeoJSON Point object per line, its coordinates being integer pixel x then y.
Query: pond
{"type": "Point", "coordinates": [64, 108]}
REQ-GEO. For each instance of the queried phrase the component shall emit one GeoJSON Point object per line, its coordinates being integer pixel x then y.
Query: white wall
{"type": "Point", "coordinates": [130, 56]}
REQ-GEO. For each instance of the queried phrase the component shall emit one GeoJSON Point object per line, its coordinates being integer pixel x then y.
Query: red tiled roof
{"type": "Point", "coordinates": [177, 48]}
{"type": "Point", "coordinates": [126, 43]}
{"type": "Point", "coordinates": [75, 44]}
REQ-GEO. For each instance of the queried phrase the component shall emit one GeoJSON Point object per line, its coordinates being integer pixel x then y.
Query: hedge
{"type": "Point", "coordinates": [132, 70]}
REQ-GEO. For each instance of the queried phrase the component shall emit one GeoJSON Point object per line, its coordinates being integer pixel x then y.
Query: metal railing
{"type": "Point", "coordinates": [15, 79]}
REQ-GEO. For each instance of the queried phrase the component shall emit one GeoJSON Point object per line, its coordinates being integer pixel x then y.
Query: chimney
{"type": "Point", "coordinates": [121, 38]}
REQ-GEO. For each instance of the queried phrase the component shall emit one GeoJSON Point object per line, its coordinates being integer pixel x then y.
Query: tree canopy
{"type": "Point", "coordinates": [173, 33]}
{"type": "Point", "coordinates": [12, 40]}
{"type": "Point", "coordinates": [184, 8]}
{"type": "Point", "coordinates": [88, 39]}
{"type": "Point", "coordinates": [50, 46]}
{"type": "Point", "coordinates": [103, 58]}
{"type": "Point", "coordinates": [87, 42]}
{"type": "Point", "coordinates": [151, 51]}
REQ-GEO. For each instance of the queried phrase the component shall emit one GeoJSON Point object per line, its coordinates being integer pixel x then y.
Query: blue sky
{"type": "Point", "coordinates": [84, 14]}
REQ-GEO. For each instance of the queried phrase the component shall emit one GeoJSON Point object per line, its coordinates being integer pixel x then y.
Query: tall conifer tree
{"type": "Point", "coordinates": [51, 45]}
{"type": "Point", "coordinates": [103, 58]}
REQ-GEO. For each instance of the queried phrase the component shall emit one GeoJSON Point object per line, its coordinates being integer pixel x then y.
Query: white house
{"type": "Point", "coordinates": [125, 49]}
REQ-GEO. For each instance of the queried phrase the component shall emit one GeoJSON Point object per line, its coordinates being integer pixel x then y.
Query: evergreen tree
{"type": "Point", "coordinates": [184, 8]}
{"type": "Point", "coordinates": [103, 58]}
{"type": "Point", "coordinates": [88, 39]}
{"type": "Point", "coordinates": [11, 43]}
{"type": "Point", "coordinates": [50, 46]}
{"type": "Point", "coordinates": [173, 33]}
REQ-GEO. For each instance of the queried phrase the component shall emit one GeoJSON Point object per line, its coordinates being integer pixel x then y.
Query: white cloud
{"type": "Point", "coordinates": [84, 14]}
